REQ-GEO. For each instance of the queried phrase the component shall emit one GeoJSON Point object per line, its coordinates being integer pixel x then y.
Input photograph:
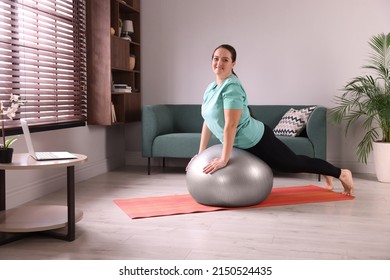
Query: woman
{"type": "Point", "coordinates": [226, 115]}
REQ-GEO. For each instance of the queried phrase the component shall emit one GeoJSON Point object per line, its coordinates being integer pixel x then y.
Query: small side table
{"type": "Point", "coordinates": [23, 221]}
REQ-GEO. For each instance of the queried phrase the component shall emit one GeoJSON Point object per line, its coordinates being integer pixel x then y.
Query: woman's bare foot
{"type": "Point", "coordinates": [346, 181]}
{"type": "Point", "coordinates": [329, 182]}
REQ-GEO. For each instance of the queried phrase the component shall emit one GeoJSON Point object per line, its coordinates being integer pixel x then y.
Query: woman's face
{"type": "Point", "coordinates": [222, 62]}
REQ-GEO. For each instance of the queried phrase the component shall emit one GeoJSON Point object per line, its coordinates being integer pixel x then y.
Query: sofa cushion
{"type": "Point", "coordinates": [186, 145]}
{"type": "Point", "coordinates": [178, 145]}
{"type": "Point", "coordinates": [293, 122]}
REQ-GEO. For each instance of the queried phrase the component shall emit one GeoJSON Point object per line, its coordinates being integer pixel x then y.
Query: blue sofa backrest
{"type": "Point", "coordinates": [272, 114]}
{"type": "Point", "coordinates": [186, 118]}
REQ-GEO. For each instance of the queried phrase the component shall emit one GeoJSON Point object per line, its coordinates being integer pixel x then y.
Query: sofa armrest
{"type": "Point", "coordinates": [156, 120]}
{"type": "Point", "coordinates": [316, 131]}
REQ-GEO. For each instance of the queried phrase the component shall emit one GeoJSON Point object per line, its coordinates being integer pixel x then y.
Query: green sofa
{"type": "Point", "coordinates": [173, 130]}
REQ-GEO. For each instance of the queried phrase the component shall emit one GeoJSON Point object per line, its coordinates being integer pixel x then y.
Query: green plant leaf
{"type": "Point", "coordinates": [367, 98]}
{"type": "Point", "coordinates": [10, 141]}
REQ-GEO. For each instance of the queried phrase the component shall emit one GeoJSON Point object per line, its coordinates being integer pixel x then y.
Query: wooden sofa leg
{"type": "Point", "coordinates": [148, 165]}
{"type": "Point", "coordinates": [319, 177]}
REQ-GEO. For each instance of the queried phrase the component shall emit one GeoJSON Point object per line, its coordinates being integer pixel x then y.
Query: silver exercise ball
{"type": "Point", "coordinates": [245, 181]}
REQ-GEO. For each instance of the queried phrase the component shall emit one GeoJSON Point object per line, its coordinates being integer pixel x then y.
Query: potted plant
{"type": "Point", "coordinates": [5, 151]}
{"type": "Point", "coordinates": [366, 101]}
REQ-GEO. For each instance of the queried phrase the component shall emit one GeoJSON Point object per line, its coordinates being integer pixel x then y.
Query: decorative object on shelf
{"type": "Point", "coordinates": [132, 62]}
{"type": "Point", "coordinates": [127, 29]}
{"type": "Point", "coordinates": [366, 102]}
{"type": "Point", "coordinates": [112, 31]}
{"type": "Point", "coordinates": [5, 150]}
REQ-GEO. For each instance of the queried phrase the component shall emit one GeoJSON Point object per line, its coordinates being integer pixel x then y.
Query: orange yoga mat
{"type": "Point", "coordinates": [137, 208]}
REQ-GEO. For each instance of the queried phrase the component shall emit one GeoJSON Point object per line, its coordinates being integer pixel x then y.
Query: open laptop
{"type": "Point", "coordinates": [42, 155]}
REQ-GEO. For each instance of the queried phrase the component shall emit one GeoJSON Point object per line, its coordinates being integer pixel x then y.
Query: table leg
{"type": "Point", "coordinates": [71, 204]}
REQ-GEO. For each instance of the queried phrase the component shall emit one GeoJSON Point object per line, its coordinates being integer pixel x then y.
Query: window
{"type": "Point", "coordinates": [43, 60]}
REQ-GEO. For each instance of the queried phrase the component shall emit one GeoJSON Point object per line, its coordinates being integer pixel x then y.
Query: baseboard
{"type": "Point", "coordinates": [355, 167]}
{"type": "Point", "coordinates": [134, 158]}
{"type": "Point", "coordinates": [20, 194]}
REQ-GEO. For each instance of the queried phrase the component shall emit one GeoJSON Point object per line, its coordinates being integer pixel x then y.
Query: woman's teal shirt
{"type": "Point", "coordinates": [230, 95]}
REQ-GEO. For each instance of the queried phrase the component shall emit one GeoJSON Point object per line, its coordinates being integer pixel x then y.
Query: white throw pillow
{"type": "Point", "coordinates": [293, 122]}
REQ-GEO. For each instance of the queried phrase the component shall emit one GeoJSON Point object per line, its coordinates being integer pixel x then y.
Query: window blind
{"type": "Point", "coordinates": [43, 60]}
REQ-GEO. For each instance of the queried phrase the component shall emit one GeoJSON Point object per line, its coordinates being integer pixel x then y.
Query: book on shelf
{"type": "Point", "coordinates": [121, 88]}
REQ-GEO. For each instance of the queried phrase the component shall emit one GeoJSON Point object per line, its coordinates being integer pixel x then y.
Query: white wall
{"type": "Point", "coordinates": [104, 147]}
{"type": "Point", "coordinates": [289, 52]}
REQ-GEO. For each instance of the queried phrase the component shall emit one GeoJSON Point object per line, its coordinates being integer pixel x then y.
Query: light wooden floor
{"type": "Point", "coordinates": [356, 229]}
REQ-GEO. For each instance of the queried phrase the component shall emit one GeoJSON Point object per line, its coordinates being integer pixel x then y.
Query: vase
{"type": "Point", "coordinates": [382, 161]}
{"type": "Point", "coordinates": [132, 62]}
{"type": "Point", "coordinates": [6, 155]}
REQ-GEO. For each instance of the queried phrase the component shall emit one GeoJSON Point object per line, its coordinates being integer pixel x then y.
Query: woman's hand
{"type": "Point", "coordinates": [214, 165]}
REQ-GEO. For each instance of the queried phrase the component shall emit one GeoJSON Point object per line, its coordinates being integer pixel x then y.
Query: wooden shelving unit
{"type": "Point", "coordinates": [112, 65]}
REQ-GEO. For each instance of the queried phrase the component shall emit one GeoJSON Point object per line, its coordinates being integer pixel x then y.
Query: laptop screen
{"type": "Point", "coordinates": [27, 136]}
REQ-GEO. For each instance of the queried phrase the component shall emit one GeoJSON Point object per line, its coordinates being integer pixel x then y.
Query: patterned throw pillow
{"type": "Point", "coordinates": [293, 122]}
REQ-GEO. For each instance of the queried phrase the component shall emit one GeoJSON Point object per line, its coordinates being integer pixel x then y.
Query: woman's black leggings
{"type": "Point", "coordinates": [280, 157]}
